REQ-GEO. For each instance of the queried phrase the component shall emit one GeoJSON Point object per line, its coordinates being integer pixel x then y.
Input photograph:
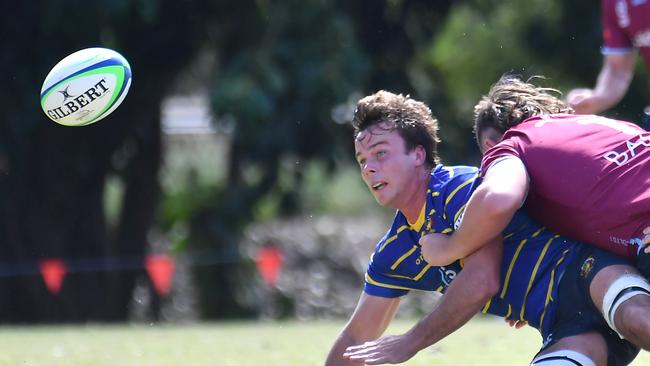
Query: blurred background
{"type": "Point", "coordinates": [225, 186]}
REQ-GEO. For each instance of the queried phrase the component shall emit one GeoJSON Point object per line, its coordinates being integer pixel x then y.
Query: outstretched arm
{"type": "Point", "coordinates": [488, 212]}
{"type": "Point", "coordinates": [470, 290]}
{"type": "Point", "coordinates": [612, 84]}
{"type": "Point", "coordinates": [369, 320]}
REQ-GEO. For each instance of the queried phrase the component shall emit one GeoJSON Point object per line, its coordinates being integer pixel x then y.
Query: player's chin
{"type": "Point", "coordinates": [381, 197]}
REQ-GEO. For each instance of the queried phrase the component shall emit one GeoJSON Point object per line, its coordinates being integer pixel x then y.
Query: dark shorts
{"type": "Point", "coordinates": [577, 314]}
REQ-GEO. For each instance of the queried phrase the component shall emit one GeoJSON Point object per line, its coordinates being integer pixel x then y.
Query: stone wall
{"type": "Point", "coordinates": [324, 262]}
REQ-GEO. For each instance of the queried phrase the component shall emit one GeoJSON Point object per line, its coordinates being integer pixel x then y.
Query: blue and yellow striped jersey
{"type": "Point", "coordinates": [533, 257]}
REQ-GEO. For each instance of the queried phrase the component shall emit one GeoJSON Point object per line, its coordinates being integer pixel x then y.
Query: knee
{"type": "Point", "coordinates": [633, 321]}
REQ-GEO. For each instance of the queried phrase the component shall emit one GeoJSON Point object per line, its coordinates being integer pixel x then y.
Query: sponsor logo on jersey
{"type": "Point", "coordinates": [632, 147]}
{"type": "Point", "coordinates": [622, 14]}
{"type": "Point", "coordinates": [447, 275]}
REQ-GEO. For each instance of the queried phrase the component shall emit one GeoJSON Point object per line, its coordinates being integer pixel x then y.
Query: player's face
{"type": "Point", "coordinates": [386, 167]}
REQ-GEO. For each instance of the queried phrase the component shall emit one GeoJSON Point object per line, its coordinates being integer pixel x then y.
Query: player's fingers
{"type": "Point", "coordinates": [646, 239]}
{"type": "Point", "coordinates": [361, 357]}
{"type": "Point", "coordinates": [381, 358]}
{"type": "Point", "coordinates": [376, 361]}
{"type": "Point", "coordinates": [367, 345]}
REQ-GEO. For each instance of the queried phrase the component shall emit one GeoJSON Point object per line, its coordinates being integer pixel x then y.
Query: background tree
{"type": "Point", "coordinates": [282, 73]}
{"type": "Point", "coordinates": [286, 77]}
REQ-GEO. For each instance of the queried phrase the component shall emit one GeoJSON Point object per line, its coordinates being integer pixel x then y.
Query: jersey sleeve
{"type": "Point", "coordinates": [456, 194]}
{"type": "Point", "coordinates": [378, 281]}
{"type": "Point", "coordinates": [396, 266]}
{"type": "Point", "coordinates": [379, 284]}
{"type": "Point", "coordinates": [615, 41]}
{"type": "Point", "coordinates": [508, 147]}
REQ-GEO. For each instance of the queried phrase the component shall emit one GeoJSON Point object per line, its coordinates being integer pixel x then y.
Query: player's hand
{"type": "Point", "coordinates": [517, 324]}
{"type": "Point", "coordinates": [646, 239]}
{"type": "Point", "coordinates": [581, 100]}
{"type": "Point", "coordinates": [388, 349]}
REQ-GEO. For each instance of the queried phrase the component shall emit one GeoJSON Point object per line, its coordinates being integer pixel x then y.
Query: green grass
{"type": "Point", "coordinates": [481, 342]}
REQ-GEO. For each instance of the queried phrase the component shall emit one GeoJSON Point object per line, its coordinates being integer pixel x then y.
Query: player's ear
{"type": "Point", "coordinates": [487, 143]}
{"type": "Point", "coordinates": [488, 138]}
{"type": "Point", "coordinates": [420, 154]}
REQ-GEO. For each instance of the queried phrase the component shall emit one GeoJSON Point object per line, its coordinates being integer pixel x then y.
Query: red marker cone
{"type": "Point", "coordinates": [269, 262]}
{"type": "Point", "coordinates": [160, 268]}
{"type": "Point", "coordinates": [53, 272]}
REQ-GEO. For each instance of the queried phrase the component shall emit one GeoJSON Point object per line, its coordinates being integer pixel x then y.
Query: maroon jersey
{"type": "Point", "coordinates": [589, 176]}
{"type": "Point", "coordinates": [626, 25]}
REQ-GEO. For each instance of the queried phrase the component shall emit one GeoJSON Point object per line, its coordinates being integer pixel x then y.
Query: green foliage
{"type": "Point", "coordinates": [480, 43]}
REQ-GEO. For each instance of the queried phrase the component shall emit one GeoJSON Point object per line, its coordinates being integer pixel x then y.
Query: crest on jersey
{"type": "Point", "coordinates": [587, 266]}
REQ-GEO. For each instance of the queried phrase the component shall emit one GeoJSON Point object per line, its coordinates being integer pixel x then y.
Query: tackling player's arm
{"type": "Point", "coordinates": [467, 294]}
{"type": "Point", "coordinates": [488, 212]}
{"type": "Point", "coordinates": [369, 321]}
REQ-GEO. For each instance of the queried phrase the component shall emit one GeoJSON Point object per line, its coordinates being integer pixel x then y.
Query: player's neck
{"type": "Point", "coordinates": [415, 196]}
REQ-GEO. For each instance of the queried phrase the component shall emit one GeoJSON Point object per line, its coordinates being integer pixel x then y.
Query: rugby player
{"type": "Point", "coordinates": [626, 28]}
{"type": "Point", "coordinates": [584, 176]}
{"type": "Point", "coordinates": [556, 285]}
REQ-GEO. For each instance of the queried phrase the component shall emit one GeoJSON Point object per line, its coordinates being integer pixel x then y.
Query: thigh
{"type": "Point", "coordinates": [576, 314]}
{"type": "Point", "coordinates": [590, 344]}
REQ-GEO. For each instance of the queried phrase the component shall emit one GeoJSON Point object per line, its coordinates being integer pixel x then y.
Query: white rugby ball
{"type": "Point", "coordinates": [85, 86]}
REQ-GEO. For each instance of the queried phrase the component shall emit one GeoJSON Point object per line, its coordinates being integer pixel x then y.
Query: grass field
{"type": "Point", "coordinates": [481, 342]}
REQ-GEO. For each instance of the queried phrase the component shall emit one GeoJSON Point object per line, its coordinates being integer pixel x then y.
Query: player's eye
{"type": "Point", "coordinates": [380, 154]}
{"type": "Point", "coordinates": [361, 162]}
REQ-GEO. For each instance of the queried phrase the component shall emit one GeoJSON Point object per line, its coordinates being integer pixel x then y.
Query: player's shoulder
{"type": "Point", "coordinates": [395, 231]}
{"type": "Point", "coordinates": [398, 236]}
{"type": "Point", "coordinates": [443, 175]}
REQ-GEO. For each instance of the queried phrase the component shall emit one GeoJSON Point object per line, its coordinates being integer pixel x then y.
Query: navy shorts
{"type": "Point", "coordinates": [577, 314]}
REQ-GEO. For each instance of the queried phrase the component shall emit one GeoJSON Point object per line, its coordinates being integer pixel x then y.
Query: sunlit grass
{"type": "Point", "coordinates": [481, 342]}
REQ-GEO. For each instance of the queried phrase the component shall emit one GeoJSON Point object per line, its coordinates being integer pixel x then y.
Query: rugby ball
{"type": "Point", "coordinates": [85, 86]}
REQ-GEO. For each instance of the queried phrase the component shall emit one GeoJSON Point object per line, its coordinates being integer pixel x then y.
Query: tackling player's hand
{"type": "Point", "coordinates": [643, 260]}
{"type": "Point", "coordinates": [646, 239]}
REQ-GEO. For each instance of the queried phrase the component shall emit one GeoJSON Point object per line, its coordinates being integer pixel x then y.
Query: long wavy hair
{"type": "Point", "coordinates": [511, 101]}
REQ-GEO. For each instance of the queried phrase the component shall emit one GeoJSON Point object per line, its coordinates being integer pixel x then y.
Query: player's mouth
{"type": "Point", "coordinates": [378, 186]}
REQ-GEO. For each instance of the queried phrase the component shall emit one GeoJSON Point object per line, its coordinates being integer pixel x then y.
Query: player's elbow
{"type": "Point", "coordinates": [487, 288]}
{"type": "Point", "coordinates": [501, 203]}
{"type": "Point", "coordinates": [486, 284]}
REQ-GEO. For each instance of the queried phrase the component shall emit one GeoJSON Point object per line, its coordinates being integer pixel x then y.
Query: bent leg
{"type": "Point", "coordinates": [623, 297]}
